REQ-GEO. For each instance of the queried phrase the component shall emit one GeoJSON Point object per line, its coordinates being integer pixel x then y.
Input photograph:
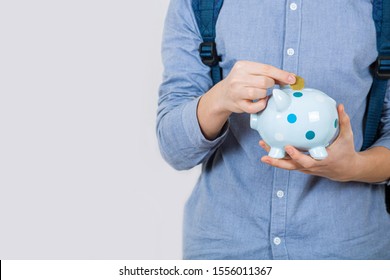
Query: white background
{"type": "Point", "coordinates": [81, 176]}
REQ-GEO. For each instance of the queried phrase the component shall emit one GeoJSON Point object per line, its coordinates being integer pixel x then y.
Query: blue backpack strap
{"type": "Point", "coordinates": [381, 14]}
{"type": "Point", "coordinates": [381, 72]}
{"type": "Point", "coordinates": [206, 14]}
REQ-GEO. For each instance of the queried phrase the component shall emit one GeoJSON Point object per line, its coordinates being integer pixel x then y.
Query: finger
{"type": "Point", "coordinates": [301, 159]}
{"type": "Point", "coordinates": [251, 107]}
{"type": "Point", "coordinates": [260, 69]}
{"type": "Point", "coordinates": [287, 164]}
{"type": "Point", "coordinates": [264, 146]}
{"type": "Point", "coordinates": [345, 122]}
{"type": "Point", "coordinates": [267, 148]}
{"type": "Point", "coordinates": [252, 93]}
{"type": "Point", "coordinates": [262, 82]}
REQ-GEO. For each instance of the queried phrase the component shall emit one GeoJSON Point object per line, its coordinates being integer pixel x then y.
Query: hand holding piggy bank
{"type": "Point", "coordinates": [306, 119]}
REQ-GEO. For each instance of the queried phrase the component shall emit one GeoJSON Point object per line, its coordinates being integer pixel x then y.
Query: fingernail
{"type": "Point", "coordinates": [289, 150]}
{"type": "Point", "coordinates": [291, 79]}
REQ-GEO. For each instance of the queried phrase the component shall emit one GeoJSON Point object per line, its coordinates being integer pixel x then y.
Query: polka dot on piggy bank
{"type": "Point", "coordinates": [292, 118]}
{"type": "Point", "coordinates": [310, 135]}
{"type": "Point", "coordinates": [298, 94]}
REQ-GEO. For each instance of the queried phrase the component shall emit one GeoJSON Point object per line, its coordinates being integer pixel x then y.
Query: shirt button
{"type": "Point", "coordinates": [290, 51]}
{"type": "Point", "coordinates": [293, 6]}
{"type": "Point", "coordinates": [277, 241]}
{"type": "Point", "coordinates": [280, 194]}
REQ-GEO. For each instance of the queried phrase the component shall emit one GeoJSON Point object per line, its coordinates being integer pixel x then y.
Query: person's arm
{"type": "Point", "coordinates": [373, 165]}
{"type": "Point", "coordinates": [185, 79]}
{"type": "Point", "coordinates": [192, 121]}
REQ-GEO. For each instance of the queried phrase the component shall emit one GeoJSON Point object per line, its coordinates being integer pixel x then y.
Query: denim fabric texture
{"type": "Point", "coordinates": [241, 208]}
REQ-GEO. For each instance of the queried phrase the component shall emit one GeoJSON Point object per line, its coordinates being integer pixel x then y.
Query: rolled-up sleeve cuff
{"type": "Point", "coordinates": [194, 133]}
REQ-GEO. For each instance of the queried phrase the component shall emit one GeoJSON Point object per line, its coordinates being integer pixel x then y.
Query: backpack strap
{"type": "Point", "coordinates": [206, 13]}
{"type": "Point", "coordinates": [381, 72]}
{"type": "Point", "coordinates": [381, 69]}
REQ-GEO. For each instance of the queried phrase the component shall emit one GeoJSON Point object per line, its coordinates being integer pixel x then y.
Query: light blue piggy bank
{"type": "Point", "coordinates": [306, 119]}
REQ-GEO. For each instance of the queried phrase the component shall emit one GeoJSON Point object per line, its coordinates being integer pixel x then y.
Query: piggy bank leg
{"type": "Point", "coordinates": [318, 153]}
{"type": "Point", "coordinates": [276, 152]}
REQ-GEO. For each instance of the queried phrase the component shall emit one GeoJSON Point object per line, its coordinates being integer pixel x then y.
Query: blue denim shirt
{"type": "Point", "coordinates": [241, 208]}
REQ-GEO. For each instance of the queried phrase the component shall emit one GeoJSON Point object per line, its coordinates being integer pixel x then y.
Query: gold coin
{"type": "Point", "coordinates": [299, 83]}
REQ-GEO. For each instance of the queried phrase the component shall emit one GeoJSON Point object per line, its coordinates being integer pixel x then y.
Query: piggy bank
{"type": "Point", "coordinates": [306, 119]}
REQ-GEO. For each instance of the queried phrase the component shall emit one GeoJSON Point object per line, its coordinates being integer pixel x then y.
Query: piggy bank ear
{"type": "Point", "coordinates": [282, 99]}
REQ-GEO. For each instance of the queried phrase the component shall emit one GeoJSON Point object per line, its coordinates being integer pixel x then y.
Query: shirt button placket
{"type": "Point", "coordinates": [292, 35]}
{"type": "Point", "coordinates": [278, 213]}
{"type": "Point", "coordinates": [281, 177]}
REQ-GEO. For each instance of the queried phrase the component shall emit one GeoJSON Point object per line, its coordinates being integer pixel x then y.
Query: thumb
{"type": "Point", "coordinates": [345, 122]}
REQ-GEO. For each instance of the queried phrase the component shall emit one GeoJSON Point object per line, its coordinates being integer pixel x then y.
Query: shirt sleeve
{"type": "Point", "coordinates": [384, 133]}
{"type": "Point", "coordinates": [185, 79]}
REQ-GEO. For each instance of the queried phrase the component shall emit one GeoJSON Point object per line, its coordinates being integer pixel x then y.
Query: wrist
{"type": "Point", "coordinates": [357, 167]}
{"type": "Point", "coordinates": [212, 113]}
{"type": "Point", "coordinates": [213, 106]}
{"type": "Point", "coordinates": [217, 101]}
{"type": "Point", "coordinates": [371, 166]}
